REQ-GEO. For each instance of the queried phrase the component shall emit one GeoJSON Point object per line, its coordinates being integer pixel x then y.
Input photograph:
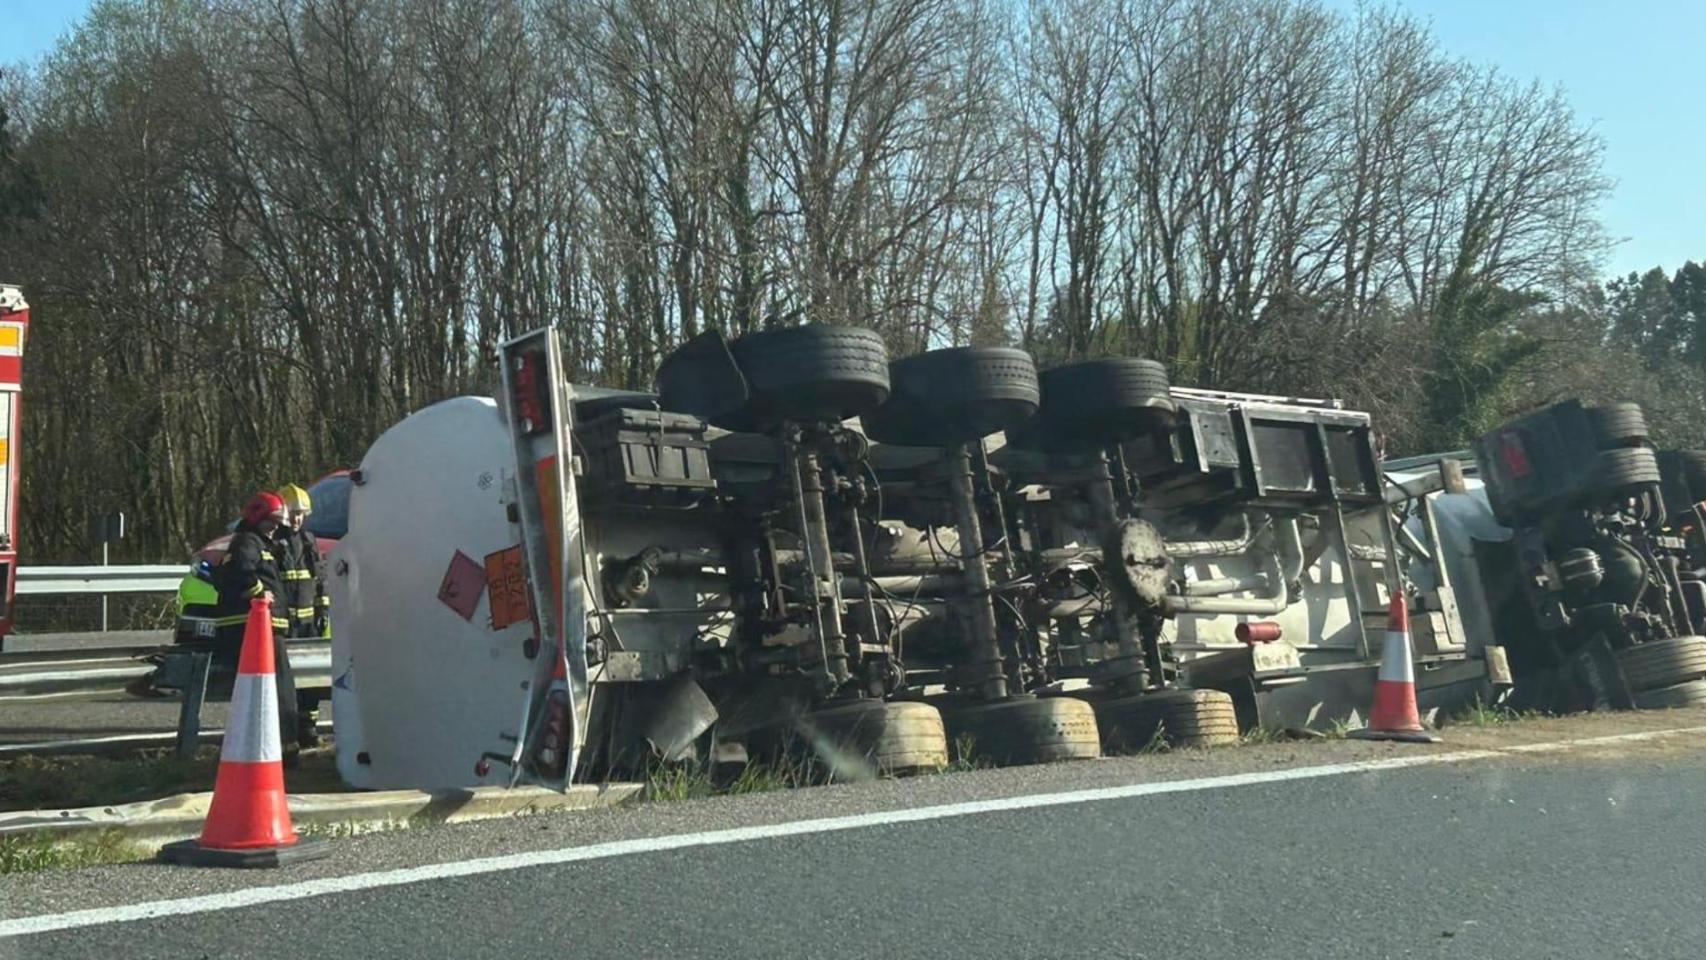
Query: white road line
{"type": "Point", "coordinates": [256, 896]}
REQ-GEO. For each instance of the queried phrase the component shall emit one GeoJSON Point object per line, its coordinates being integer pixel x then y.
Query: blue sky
{"type": "Point", "coordinates": [1636, 69]}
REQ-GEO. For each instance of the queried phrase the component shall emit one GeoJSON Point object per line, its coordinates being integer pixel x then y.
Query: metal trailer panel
{"type": "Point", "coordinates": [419, 692]}
{"type": "Point", "coordinates": [1326, 698]}
{"type": "Point", "coordinates": [1322, 671]}
{"type": "Point", "coordinates": [1459, 520]}
{"type": "Point", "coordinates": [1322, 620]}
{"type": "Point", "coordinates": [539, 417]}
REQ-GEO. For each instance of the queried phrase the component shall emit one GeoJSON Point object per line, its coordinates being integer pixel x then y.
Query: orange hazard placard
{"type": "Point", "coordinates": [507, 583]}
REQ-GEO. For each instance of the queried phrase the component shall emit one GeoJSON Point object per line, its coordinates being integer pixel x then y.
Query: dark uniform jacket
{"type": "Point", "coordinates": [304, 596]}
{"type": "Point", "coordinates": [248, 570]}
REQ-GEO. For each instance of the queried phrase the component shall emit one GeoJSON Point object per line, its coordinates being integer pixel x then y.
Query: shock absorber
{"type": "Point", "coordinates": [1137, 654]}
{"type": "Point", "coordinates": [822, 587]}
{"type": "Point", "coordinates": [1017, 645]}
{"type": "Point", "coordinates": [983, 672]}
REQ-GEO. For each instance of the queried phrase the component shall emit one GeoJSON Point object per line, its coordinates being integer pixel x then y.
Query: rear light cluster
{"type": "Point", "coordinates": [554, 745]}
{"type": "Point", "coordinates": [530, 402]}
{"type": "Point", "coordinates": [1515, 455]}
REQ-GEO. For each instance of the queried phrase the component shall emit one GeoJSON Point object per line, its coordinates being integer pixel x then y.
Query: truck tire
{"type": "Point", "coordinates": [810, 373]}
{"type": "Point", "coordinates": [888, 737]}
{"type": "Point", "coordinates": [1617, 425]}
{"type": "Point", "coordinates": [1095, 403]}
{"type": "Point", "coordinates": [1023, 730]}
{"type": "Point", "coordinates": [952, 396]}
{"type": "Point", "coordinates": [1181, 718]}
{"type": "Point", "coordinates": [1663, 663]}
{"type": "Point", "coordinates": [1677, 695]}
{"type": "Point", "coordinates": [1626, 472]}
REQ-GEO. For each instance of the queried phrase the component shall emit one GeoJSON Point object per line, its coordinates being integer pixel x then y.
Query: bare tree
{"type": "Point", "coordinates": [270, 228]}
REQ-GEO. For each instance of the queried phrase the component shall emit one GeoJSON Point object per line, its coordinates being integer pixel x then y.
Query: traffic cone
{"type": "Point", "coordinates": [248, 822]}
{"type": "Point", "coordinates": [1394, 715]}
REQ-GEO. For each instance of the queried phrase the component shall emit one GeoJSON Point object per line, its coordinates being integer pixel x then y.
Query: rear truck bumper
{"type": "Point", "coordinates": [1272, 689]}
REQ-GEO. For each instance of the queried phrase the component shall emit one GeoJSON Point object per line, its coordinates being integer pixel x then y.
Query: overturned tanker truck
{"type": "Point", "coordinates": [1584, 546]}
{"type": "Point", "coordinates": [796, 542]}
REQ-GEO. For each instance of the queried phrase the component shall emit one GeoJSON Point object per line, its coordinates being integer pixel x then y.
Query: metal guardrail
{"type": "Point", "coordinates": [92, 673]}
{"type": "Point", "coordinates": [123, 578]}
{"type": "Point", "coordinates": [70, 674]}
{"type": "Point", "coordinates": [117, 744]}
{"type": "Point", "coordinates": [98, 672]}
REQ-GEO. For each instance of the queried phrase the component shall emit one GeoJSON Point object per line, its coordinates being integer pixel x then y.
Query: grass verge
{"type": "Point", "coordinates": [54, 783]}
{"type": "Point", "coordinates": [27, 854]}
{"type": "Point", "coordinates": [1480, 714]}
{"type": "Point", "coordinates": [677, 782]}
{"type": "Point", "coordinates": [1261, 734]}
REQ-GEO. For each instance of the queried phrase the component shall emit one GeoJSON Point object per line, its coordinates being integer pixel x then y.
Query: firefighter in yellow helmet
{"type": "Point", "coordinates": [304, 599]}
{"type": "Point", "coordinates": [299, 565]}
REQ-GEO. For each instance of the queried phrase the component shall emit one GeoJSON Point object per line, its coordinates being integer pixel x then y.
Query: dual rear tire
{"type": "Point", "coordinates": [814, 373]}
{"type": "Point", "coordinates": [1098, 403]}
{"type": "Point", "coordinates": [1177, 718]}
{"type": "Point", "coordinates": [1658, 664]}
{"type": "Point", "coordinates": [857, 739]}
{"type": "Point", "coordinates": [1023, 730]}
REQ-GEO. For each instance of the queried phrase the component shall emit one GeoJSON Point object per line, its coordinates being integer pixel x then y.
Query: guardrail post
{"type": "Point", "coordinates": [105, 561]}
{"type": "Point", "coordinates": [189, 714]}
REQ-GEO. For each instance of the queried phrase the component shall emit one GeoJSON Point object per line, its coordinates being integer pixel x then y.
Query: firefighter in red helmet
{"type": "Point", "coordinates": [249, 570]}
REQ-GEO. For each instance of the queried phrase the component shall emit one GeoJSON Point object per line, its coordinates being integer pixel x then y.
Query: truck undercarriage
{"type": "Point", "coordinates": [798, 544]}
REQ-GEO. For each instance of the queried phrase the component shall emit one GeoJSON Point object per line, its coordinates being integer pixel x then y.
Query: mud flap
{"type": "Point", "coordinates": [1599, 679]}
{"type": "Point", "coordinates": [644, 722]}
{"type": "Point", "coordinates": [679, 718]}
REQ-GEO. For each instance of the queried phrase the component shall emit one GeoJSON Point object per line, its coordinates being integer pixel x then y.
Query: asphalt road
{"type": "Point", "coordinates": [45, 719]}
{"type": "Point", "coordinates": [87, 640]}
{"type": "Point", "coordinates": [1589, 851]}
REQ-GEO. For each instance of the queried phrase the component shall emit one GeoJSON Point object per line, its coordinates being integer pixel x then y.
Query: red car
{"type": "Point", "coordinates": [328, 522]}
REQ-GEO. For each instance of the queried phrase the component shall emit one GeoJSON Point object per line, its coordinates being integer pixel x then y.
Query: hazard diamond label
{"type": "Point", "coordinates": [463, 583]}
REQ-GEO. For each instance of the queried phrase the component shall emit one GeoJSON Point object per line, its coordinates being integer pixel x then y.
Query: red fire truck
{"type": "Point", "coordinates": [14, 327]}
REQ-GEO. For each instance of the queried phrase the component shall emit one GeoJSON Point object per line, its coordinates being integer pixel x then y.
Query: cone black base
{"type": "Point", "coordinates": [192, 854]}
{"type": "Point", "coordinates": [1405, 736]}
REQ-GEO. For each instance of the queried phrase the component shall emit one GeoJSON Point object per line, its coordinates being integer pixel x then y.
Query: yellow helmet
{"type": "Point", "coordinates": [295, 499]}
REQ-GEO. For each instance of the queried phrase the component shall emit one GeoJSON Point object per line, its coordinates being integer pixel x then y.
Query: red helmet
{"type": "Point", "coordinates": [262, 506]}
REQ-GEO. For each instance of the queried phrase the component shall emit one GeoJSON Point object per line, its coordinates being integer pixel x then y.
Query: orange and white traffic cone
{"type": "Point", "coordinates": [248, 822]}
{"type": "Point", "coordinates": [1394, 715]}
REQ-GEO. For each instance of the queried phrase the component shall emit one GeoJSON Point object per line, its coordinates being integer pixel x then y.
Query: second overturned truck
{"type": "Point", "coordinates": [797, 542]}
{"type": "Point", "coordinates": [1585, 547]}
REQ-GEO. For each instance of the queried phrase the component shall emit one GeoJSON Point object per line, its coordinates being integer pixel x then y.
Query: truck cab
{"type": "Point", "coordinates": [14, 328]}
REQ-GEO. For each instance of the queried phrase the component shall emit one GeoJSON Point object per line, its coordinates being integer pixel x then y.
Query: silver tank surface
{"type": "Point", "coordinates": [423, 683]}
